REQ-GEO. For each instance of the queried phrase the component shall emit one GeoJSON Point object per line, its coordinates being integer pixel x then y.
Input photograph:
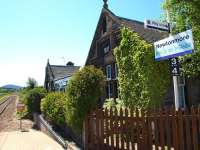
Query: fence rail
{"type": "Point", "coordinates": [162, 129]}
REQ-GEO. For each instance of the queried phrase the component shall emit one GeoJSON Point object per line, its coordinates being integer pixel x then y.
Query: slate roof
{"type": "Point", "coordinates": [149, 35]}
{"type": "Point", "coordinates": [60, 72]}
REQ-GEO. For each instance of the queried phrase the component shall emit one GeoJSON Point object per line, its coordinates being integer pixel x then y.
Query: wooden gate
{"type": "Point", "coordinates": [152, 129]}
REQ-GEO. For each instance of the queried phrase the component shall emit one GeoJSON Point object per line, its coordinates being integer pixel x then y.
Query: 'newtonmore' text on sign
{"type": "Point", "coordinates": [174, 46]}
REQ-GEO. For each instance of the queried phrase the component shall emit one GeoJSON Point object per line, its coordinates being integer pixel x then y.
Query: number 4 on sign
{"type": "Point", "coordinates": [175, 71]}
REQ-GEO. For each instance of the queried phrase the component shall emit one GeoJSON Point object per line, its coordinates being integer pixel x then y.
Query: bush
{"type": "Point", "coordinates": [53, 106]}
{"type": "Point", "coordinates": [33, 98]}
{"type": "Point", "coordinates": [83, 92]}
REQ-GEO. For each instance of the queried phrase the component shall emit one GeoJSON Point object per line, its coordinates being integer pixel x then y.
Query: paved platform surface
{"type": "Point", "coordinates": [32, 140]}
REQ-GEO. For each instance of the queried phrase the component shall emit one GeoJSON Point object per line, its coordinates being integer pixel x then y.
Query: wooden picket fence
{"type": "Point", "coordinates": [152, 129]}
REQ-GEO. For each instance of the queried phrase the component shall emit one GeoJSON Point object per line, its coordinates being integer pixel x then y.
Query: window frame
{"type": "Point", "coordinates": [107, 47]}
{"type": "Point", "coordinates": [116, 71]}
{"type": "Point", "coordinates": [108, 72]}
{"type": "Point", "coordinates": [110, 92]}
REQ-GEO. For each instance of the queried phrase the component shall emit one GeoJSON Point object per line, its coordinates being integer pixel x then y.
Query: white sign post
{"type": "Point", "coordinates": [20, 108]}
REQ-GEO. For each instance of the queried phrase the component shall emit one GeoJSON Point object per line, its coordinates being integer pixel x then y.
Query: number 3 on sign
{"type": "Point", "coordinates": [173, 61]}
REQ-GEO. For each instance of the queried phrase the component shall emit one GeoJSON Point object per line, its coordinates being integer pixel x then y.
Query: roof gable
{"type": "Point", "coordinates": [148, 35]}
{"type": "Point", "coordinates": [104, 13]}
{"type": "Point", "coordinates": [60, 72]}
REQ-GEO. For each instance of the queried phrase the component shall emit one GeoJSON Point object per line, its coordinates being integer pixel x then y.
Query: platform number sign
{"type": "Point", "coordinates": [174, 63]}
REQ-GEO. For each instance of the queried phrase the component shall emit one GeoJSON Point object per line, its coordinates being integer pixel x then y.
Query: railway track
{"type": "Point", "coordinates": [5, 103]}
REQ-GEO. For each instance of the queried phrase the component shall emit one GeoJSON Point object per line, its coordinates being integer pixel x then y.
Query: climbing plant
{"type": "Point", "coordinates": [142, 80]}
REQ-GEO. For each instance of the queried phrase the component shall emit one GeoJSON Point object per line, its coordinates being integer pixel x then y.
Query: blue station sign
{"type": "Point", "coordinates": [173, 46]}
{"type": "Point", "coordinates": [151, 24]}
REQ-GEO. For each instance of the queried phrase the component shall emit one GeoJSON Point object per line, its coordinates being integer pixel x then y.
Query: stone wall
{"type": "Point", "coordinates": [47, 129]}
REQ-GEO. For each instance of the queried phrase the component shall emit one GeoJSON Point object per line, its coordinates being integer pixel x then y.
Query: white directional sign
{"type": "Point", "coordinates": [174, 46]}
{"type": "Point", "coordinates": [156, 25]}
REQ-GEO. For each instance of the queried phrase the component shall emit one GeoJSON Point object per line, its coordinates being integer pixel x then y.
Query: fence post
{"type": "Point", "coordinates": [85, 133]}
{"type": "Point", "coordinates": [175, 129]}
{"type": "Point", "coordinates": [97, 135]}
{"type": "Point", "coordinates": [161, 128]}
{"type": "Point", "coordinates": [121, 113]}
{"type": "Point", "coordinates": [138, 129]}
{"type": "Point", "coordinates": [180, 129]}
{"type": "Point", "coordinates": [194, 129]}
{"type": "Point", "coordinates": [101, 129]}
{"type": "Point", "coordinates": [149, 129]}
{"type": "Point", "coordinates": [111, 127]}
{"type": "Point", "coordinates": [117, 128]}
{"type": "Point", "coordinates": [188, 128]}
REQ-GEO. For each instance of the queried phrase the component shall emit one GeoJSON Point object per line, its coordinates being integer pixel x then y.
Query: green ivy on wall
{"type": "Point", "coordinates": [142, 81]}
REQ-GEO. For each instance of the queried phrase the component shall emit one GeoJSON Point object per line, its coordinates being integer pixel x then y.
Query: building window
{"type": "Point", "coordinates": [116, 71]}
{"type": "Point", "coordinates": [104, 26]}
{"type": "Point", "coordinates": [108, 72]}
{"type": "Point", "coordinates": [105, 46]}
{"type": "Point", "coordinates": [106, 49]}
{"type": "Point", "coordinates": [109, 90]}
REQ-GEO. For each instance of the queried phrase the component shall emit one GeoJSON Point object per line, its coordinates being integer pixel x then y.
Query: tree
{"type": "Point", "coordinates": [142, 80]}
{"type": "Point", "coordinates": [83, 91]}
{"type": "Point", "coordinates": [31, 83]}
{"type": "Point", "coordinates": [185, 14]}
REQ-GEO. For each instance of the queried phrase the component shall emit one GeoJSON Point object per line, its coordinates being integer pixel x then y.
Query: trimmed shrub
{"type": "Point", "coordinates": [83, 91]}
{"type": "Point", "coordinates": [33, 98]}
{"type": "Point", "coordinates": [53, 106]}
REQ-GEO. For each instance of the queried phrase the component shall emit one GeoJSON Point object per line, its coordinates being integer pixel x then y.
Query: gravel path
{"type": "Point", "coordinates": [9, 121]}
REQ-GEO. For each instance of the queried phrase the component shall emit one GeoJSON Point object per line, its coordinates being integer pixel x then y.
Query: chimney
{"type": "Point", "coordinates": [48, 60]}
{"type": "Point", "coordinates": [70, 63]}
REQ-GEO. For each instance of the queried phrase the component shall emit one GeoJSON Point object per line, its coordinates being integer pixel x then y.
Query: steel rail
{"type": "Point", "coordinates": [4, 104]}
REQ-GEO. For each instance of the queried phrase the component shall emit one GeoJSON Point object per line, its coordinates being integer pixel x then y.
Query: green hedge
{"type": "Point", "coordinates": [53, 106]}
{"type": "Point", "coordinates": [33, 98]}
{"type": "Point", "coordinates": [83, 91]}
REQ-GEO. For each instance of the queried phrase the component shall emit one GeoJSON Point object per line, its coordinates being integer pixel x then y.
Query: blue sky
{"type": "Point", "coordinates": [31, 31]}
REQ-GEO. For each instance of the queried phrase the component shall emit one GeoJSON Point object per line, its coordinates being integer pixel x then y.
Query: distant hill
{"type": "Point", "coordinates": [11, 86]}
